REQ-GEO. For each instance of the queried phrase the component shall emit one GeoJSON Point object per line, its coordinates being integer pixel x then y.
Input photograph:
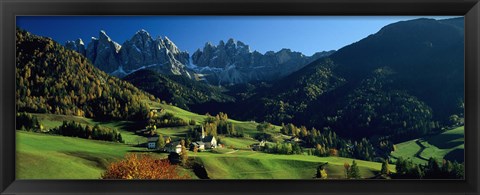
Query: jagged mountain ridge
{"type": "Point", "coordinates": [140, 52]}
{"type": "Point", "coordinates": [233, 62]}
{"type": "Point", "coordinates": [224, 64]}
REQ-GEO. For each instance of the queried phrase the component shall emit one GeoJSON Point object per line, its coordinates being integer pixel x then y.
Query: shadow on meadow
{"type": "Point", "coordinates": [445, 141]}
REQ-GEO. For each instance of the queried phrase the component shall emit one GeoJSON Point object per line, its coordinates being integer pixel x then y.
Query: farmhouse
{"type": "Point", "coordinates": [152, 142]}
{"type": "Point", "coordinates": [259, 146]}
{"type": "Point", "coordinates": [175, 147]}
{"type": "Point", "coordinates": [199, 144]}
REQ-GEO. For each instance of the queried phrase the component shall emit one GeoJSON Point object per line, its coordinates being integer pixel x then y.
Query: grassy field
{"type": "Point", "coordinates": [238, 164]}
{"type": "Point", "coordinates": [41, 156]}
{"type": "Point", "coordinates": [248, 127]}
{"type": "Point", "coordinates": [238, 143]}
{"type": "Point", "coordinates": [126, 128]}
{"type": "Point", "coordinates": [448, 145]}
{"type": "Point", "coordinates": [56, 157]}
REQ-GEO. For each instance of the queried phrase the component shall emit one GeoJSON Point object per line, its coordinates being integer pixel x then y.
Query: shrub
{"type": "Point", "coordinates": [142, 167]}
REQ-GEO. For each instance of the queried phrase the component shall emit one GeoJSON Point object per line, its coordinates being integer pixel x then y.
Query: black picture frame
{"type": "Point", "coordinates": [9, 9]}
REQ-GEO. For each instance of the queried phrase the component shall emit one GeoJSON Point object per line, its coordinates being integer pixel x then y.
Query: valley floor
{"type": "Point", "coordinates": [449, 145]}
{"type": "Point", "coordinates": [41, 156]}
{"type": "Point", "coordinates": [45, 156]}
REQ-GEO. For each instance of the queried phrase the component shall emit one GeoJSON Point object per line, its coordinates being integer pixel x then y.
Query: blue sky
{"type": "Point", "coordinates": [306, 34]}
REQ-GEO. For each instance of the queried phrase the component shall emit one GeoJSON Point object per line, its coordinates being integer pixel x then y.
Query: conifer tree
{"type": "Point", "coordinates": [354, 172]}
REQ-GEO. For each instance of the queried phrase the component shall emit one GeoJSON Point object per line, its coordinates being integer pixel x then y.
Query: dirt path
{"type": "Point", "coordinates": [231, 152]}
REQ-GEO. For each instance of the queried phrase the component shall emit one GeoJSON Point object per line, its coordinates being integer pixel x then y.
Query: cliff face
{"type": "Point", "coordinates": [233, 62]}
{"type": "Point", "coordinates": [140, 52]}
{"type": "Point", "coordinates": [223, 64]}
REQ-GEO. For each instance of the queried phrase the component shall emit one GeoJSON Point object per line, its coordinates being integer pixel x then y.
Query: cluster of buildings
{"type": "Point", "coordinates": [204, 143]}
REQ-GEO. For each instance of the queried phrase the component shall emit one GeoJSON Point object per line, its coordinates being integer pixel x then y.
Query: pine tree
{"type": "Point", "coordinates": [354, 172]}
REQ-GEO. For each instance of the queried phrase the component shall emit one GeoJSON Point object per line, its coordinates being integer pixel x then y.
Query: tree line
{"type": "Point", "coordinates": [168, 120]}
{"type": "Point", "coordinates": [29, 122]}
{"type": "Point", "coordinates": [73, 129]}
{"type": "Point", "coordinates": [326, 142]}
{"type": "Point", "coordinates": [219, 125]}
{"type": "Point", "coordinates": [433, 169]}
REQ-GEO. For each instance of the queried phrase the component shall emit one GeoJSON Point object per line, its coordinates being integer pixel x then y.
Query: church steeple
{"type": "Point", "coordinates": [203, 133]}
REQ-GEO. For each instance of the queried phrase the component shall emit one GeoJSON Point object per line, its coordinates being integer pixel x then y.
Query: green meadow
{"type": "Point", "coordinates": [44, 156]}
{"type": "Point", "coordinates": [449, 145]}
{"type": "Point", "coordinates": [126, 128]}
{"type": "Point", "coordinates": [248, 127]}
{"type": "Point", "coordinates": [240, 164]}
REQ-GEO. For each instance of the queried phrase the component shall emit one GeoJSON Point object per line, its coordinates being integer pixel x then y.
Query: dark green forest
{"type": "Point", "coordinates": [178, 90]}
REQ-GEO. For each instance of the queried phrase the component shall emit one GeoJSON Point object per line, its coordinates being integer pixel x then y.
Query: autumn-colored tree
{"type": "Point", "coordinates": [195, 150]}
{"type": "Point", "coordinates": [168, 140]}
{"type": "Point", "coordinates": [142, 166]}
{"type": "Point", "coordinates": [161, 142]}
{"type": "Point", "coordinates": [333, 152]}
{"type": "Point", "coordinates": [183, 153]}
{"type": "Point", "coordinates": [347, 169]}
{"type": "Point", "coordinates": [321, 172]}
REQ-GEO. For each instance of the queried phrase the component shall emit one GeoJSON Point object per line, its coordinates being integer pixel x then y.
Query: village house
{"type": "Point", "coordinates": [259, 146]}
{"type": "Point", "coordinates": [199, 144]}
{"type": "Point", "coordinates": [152, 142]}
{"type": "Point", "coordinates": [175, 147]}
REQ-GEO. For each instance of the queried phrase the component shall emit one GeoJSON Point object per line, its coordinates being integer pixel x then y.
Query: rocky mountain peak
{"type": "Point", "coordinates": [103, 36]}
{"type": "Point", "coordinates": [79, 41]}
{"type": "Point", "coordinates": [232, 62]}
{"type": "Point", "coordinates": [228, 62]}
{"type": "Point", "coordinates": [143, 32]}
{"type": "Point", "coordinates": [76, 45]}
{"type": "Point", "coordinates": [103, 52]}
{"type": "Point", "coordinates": [171, 46]}
{"type": "Point", "coordinates": [141, 51]}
